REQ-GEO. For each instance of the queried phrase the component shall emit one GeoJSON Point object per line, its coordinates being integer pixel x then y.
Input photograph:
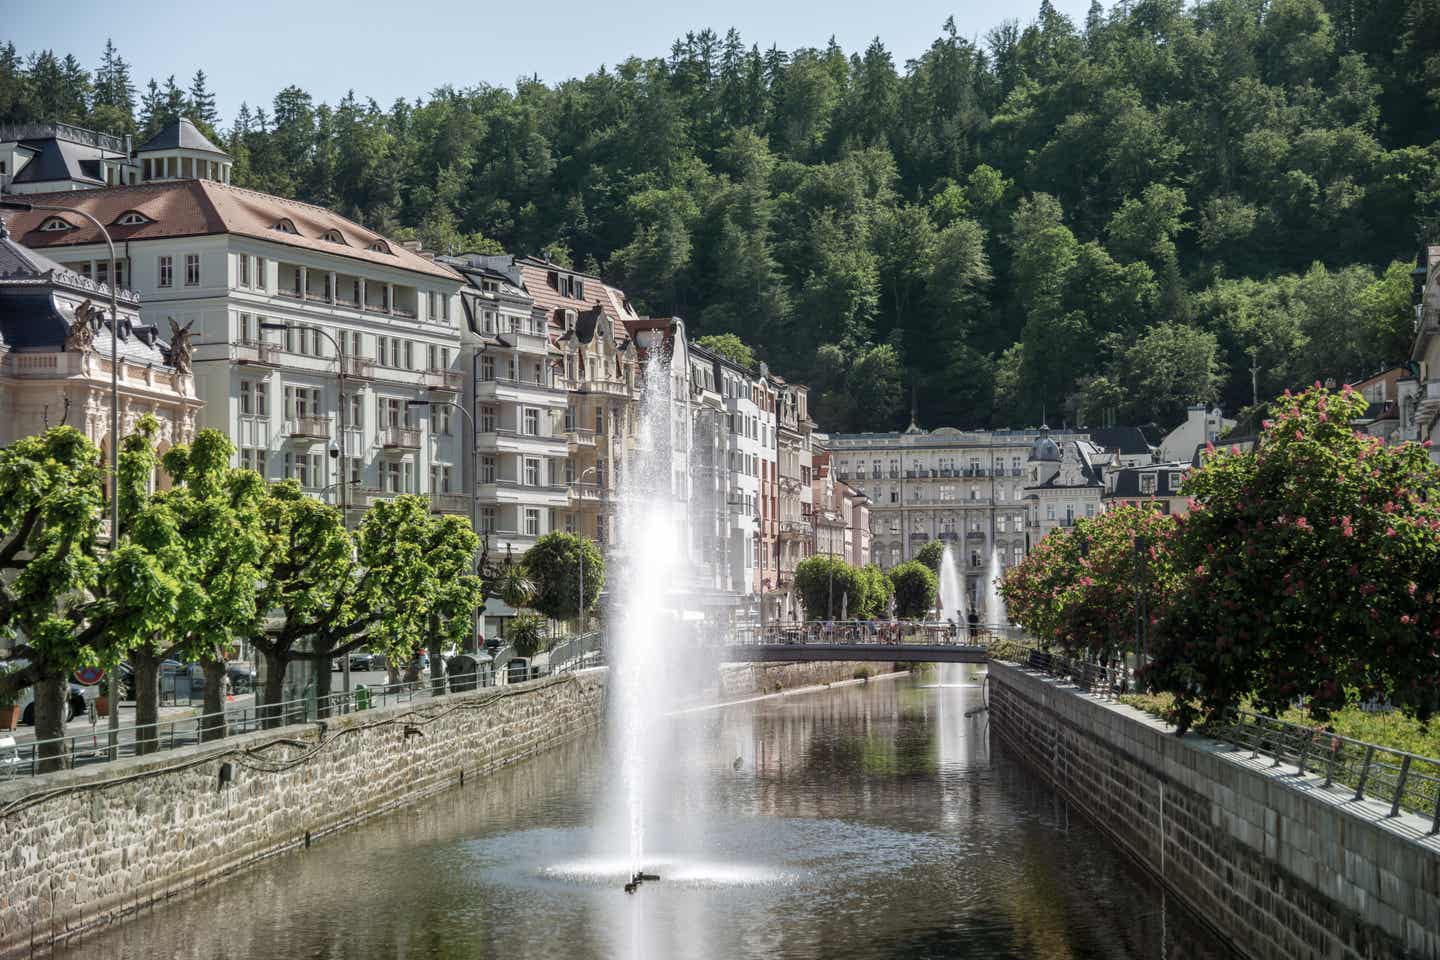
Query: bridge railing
{"type": "Point", "coordinates": [926, 633]}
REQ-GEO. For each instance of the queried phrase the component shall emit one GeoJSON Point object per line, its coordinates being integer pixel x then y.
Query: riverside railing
{"type": "Point", "coordinates": [925, 633]}
{"type": "Point", "coordinates": [25, 758]}
{"type": "Point", "coordinates": [1406, 781]}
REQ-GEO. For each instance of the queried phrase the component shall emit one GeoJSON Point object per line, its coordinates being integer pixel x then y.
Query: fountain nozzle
{"type": "Point", "coordinates": [640, 878]}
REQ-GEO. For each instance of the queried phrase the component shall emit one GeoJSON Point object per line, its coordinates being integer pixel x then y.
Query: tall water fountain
{"type": "Point", "coordinates": [952, 607]}
{"type": "Point", "coordinates": [995, 615]}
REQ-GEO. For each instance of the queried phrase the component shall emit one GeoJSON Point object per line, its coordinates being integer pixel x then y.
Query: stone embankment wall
{"type": "Point", "coordinates": [743, 679]}
{"type": "Point", "coordinates": [1279, 865]}
{"type": "Point", "coordinates": [82, 848]}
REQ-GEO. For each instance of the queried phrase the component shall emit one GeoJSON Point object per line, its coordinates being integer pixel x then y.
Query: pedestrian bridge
{"type": "Point", "coordinates": [887, 652]}
{"type": "Point", "coordinates": [934, 642]}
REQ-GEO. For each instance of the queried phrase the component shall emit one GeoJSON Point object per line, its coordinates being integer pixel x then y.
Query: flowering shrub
{"type": "Point", "coordinates": [1310, 571]}
{"type": "Point", "coordinates": [1077, 587]}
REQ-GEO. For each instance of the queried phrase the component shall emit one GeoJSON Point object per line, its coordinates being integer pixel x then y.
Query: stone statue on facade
{"type": "Point", "coordinates": [180, 348]}
{"type": "Point", "coordinates": [81, 336]}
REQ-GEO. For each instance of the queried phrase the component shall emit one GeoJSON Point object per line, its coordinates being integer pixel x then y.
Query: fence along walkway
{"type": "Point", "coordinates": [1406, 781]}
{"type": "Point", "coordinates": [25, 759]}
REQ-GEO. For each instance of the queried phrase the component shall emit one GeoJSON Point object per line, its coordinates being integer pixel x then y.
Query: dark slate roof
{"type": "Point", "coordinates": [1127, 441]}
{"type": "Point", "coordinates": [181, 135]}
{"type": "Point", "coordinates": [1126, 480]}
{"type": "Point", "coordinates": [58, 160]}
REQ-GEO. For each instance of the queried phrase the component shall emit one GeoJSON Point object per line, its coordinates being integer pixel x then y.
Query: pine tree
{"type": "Point", "coordinates": [200, 106]}
{"type": "Point", "coordinates": [113, 107]}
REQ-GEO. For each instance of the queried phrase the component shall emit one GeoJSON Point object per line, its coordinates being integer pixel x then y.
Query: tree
{"type": "Point", "coordinates": [730, 347]}
{"type": "Point", "coordinates": [930, 554]}
{"type": "Point", "coordinates": [1311, 567]}
{"type": "Point", "coordinates": [555, 564]}
{"type": "Point", "coordinates": [916, 587]}
{"type": "Point", "coordinates": [1170, 367]}
{"type": "Point", "coordinates": [63, 604]}
{"type": "Point", "coordinates": [200, 103]}
{"type": "Point", "coordinates": [826, 584]}
{"type": "Point", "coordinates": [1078, 588]}
{"type": "Point", "coordinates": [878, 593]}
{"type": "Point", "coordinates": [113, 105]}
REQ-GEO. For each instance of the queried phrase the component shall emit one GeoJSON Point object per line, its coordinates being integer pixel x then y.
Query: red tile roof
{"type": "Point", "coordinates": [189, 208]}
{"type": "Point", "coordinates": [552, 302]}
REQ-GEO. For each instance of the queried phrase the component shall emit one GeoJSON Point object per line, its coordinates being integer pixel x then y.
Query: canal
{"type": "Point", "coordinates": [875, 821]}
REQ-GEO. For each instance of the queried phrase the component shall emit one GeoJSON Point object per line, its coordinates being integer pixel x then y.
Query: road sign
{"type": "Point", "coordinates": [89, 676]}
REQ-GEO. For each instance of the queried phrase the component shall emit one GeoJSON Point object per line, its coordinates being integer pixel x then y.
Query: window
{"type": "Point", "coordinates": [599, 420]}
{"type": "Point", "coordinates": [532, 422]}
{"type": "Point", "coordinates": [260, 273]}
{"type": "Point", "coordinates": [440, 419]}
{"type": "Point", "coordinates": [1147, 483]}
{"type": "Point", "coordinates": [252, 458]}
{"type": "Point", "coordinates": [487, 519]}
{"type": "Point", "coordinates": [55, 225]}
{"type": "Point", "coordinates": [532, 472]}
{"type": "Point", "coordinates": [302, 402]}
{"type": "Point", "coordinates": [303, 467]}
{"type": "Point", "coordinates": [333, 236]}
{"type": "Point", "coordinates": [132, 219]}
{"type": "Point", "coordinates": [1049, 511]}
{"type": "Point", "coordinates": [285, 226]}
{"type": "Point", "coordinates": [380, 246]}
{"type": "Point", "coordinates": [409, 355]}
{"type": "Point", "coordinates": [245, 328]}
{"type": "Point", "coordinates": [440, 479]}
{"type": "Point", "coordinates": [192, 269]}
{"type": "Point", "coordinates": [393, 480]}
{"type": "Point", "coordinates": [166, 272]}
{"type": "Point", "coordinates": [355, 411]}
{"type": "Point", "coordinates": [487, 419]}
{"type": "Point", "coordinates": [243, 269]}
{"type": "Point", "coordinates": [532, 522]}
{"type": "Point", "coordinates": [487, 368]}
{"type": "Point", "coordinates": [487, 469]}
{"type": "Point", "coordinates": [254, 398]}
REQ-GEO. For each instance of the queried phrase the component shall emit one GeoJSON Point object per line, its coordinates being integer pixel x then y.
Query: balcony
{"type": "Point", "coordinates": [580, 437]}
{"type": "Point", "coordinates": [448, 380]}
{"type": "Point", "coordinates": [795, 529]}
{"type": "Point", "coordinates": [588, 493]}
{"type": "Point", "coordinates": [1427, 405]}
{"type": "Point", "coordinates": [308, 428]}
{"type": "Point", "coordinates": [358, 368]}
{"type": "Point", "coordinates": [450, 503]}
{"type": "Point", "coordinates": [400, 438]}
{"type": "Point", "coordinates": [255, 352]}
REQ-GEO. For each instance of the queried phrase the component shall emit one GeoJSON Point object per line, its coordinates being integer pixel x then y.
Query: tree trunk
{"type": "Point", "coordinates": [212, 726]}
{"type": "Point", "coordinates": [272, 715]}
{"type": "Point", "coordinates": [437, 665]}
{"type": "Point", "coordinates": [52, 706]}
{"type": "Point", "coordinates": [323, 658]}
{"type": "Point", "coordinates": [147, 699]}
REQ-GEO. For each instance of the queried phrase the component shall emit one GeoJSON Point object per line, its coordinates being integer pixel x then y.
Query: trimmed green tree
{"type": "Point", "coordinates": [931, 554]}
{"type": "Point", "coordinates": [916, 587]}
{"type": "Point", "coordinates": [554, 563]}
{"type": "Point", "coordinates": [825, 584]}
{"type": "Point", "coordinates": [878, 592]}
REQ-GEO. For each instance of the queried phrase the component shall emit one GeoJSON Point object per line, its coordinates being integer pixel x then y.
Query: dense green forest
{"type": "Point", "coordinates": [1092, 222]}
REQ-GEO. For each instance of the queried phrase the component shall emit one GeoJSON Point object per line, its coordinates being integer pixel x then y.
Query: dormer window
{"type": "Point", "coordinates": [284, 225]}
{"type": "Point", "coordinates": [570, 318]}
{"type": "Point", "coordinates": [131, 218]}
{"type": "Point", "coordinates": [333, 236]}
{"type": "Point", "coordinates": [56, 225]}
{"type": "Point", "coordinates": [380, 246]}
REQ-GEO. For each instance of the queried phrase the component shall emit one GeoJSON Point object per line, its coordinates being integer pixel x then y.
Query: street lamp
{"type": "Point", "coordinates": [580, 626]}
{"type": "Point", "coordinates": [474, 489]}
{"type": "Point", "coordinates": [113, 721]}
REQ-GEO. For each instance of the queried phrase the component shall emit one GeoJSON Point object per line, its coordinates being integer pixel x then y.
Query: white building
{"type": "Point", "coordinates": [1419, 394]}
{"type": "Point", "coordinates": [1066, 482]}
{"type": "Point", "coordinates": [1202, 425]}
{"type": "Point", "coordinates": [268, 293]}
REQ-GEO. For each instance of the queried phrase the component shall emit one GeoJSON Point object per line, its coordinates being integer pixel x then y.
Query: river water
{"type": "Point", "coordinates": [873, 821]}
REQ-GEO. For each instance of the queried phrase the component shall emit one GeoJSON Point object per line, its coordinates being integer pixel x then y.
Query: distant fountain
{"type": "Point", "coordinates": [995, 614]}
{"type": "Point", "coordinates": [952, 607]}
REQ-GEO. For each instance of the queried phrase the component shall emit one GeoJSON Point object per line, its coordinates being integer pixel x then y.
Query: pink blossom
{"type": "Point", "coordinates": [1324, 417]}
{"type": "Point", "coordinates": [1410, 588]}
{"type": "Point", "coordinates": [1347, 390]}
{"type": "Point", "coordinates": [1234, 450]}
{"type": "Point", "coordinates": [1374, 614]}
{"type": "Point", "coordinates": [1428, 444]}
{"type": "Point", "coordinates": [1390, 531]}
{"type": "Point", "coordinates": [1299, 435]}
{"type": "Point", "coordinates": [1317, 384]}
{"type": "Point", "coordinates": [1267, 424]}
{"type": "Point", "coordinates": [1405, 618]}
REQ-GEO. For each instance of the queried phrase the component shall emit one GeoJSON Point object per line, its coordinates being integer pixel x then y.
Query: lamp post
{"type": "Point", "coordinates": [1141, 547]}
{"type": "Point", "coordinates": [474, 490]}
{"type": "Point", "coordinates": [580, 626]}
{"type": "Point", "coordinates": [113, 720]}
{"type": "Point", "coordinates": [342, 483]}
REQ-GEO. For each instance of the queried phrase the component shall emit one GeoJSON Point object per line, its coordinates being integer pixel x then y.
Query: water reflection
{"type": "Point", "coordinates": [874, 821]}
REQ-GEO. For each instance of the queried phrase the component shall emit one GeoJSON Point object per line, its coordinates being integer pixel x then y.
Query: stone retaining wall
{"type": "Point", "coordinates": [82, 848]}
{"type": "Point", "coordinates": [743, 679]}
{"type": "Point", "coordinates": [1278, 864]}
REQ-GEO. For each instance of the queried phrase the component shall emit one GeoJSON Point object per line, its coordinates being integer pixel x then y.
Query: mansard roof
{"type": "Point", "coordinates": [181, 134]}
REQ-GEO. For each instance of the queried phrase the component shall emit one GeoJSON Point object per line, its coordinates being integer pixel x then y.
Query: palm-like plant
{"type": "Point", "coordinates": [512, 584]}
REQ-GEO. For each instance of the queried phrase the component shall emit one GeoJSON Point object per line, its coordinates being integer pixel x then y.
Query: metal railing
{"type": "Point", "coordinates": [868, 632]}
{"type": "Point", "coordinates": [1404, 780]}
{"type": "Point", "coordinates": [75, 750]}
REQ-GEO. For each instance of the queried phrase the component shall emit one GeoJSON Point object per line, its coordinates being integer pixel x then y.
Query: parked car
{"type": "Point", "coordinates": [360, 660]}
{"type": "Point", "coordinates": [77, 702]}
{"type": "Point", "coordinates": [242, 676]}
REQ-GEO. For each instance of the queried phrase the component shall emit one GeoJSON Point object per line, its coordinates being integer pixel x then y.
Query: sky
{"type": "Point", "coordinates": [250, 50]}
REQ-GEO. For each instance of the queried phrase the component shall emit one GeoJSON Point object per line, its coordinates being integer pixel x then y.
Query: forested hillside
{"type": "Point", "coordinates": [1097, 221]}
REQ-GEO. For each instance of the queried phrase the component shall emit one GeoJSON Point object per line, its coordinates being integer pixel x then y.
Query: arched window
{"type": "Point", "coordinates": [380, 246]}
{"type": "Point", "coordinates": [131, 218]}
{"type": "Point", "coordinates": [284, 225]}
{"type": "Point", "coordinates": [55, 225]}
{"type": "Point", "coordinates": [334, 237]}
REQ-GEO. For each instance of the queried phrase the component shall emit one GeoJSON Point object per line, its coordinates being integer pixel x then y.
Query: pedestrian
{"type": "Point", "coordinates": [974, 620]}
